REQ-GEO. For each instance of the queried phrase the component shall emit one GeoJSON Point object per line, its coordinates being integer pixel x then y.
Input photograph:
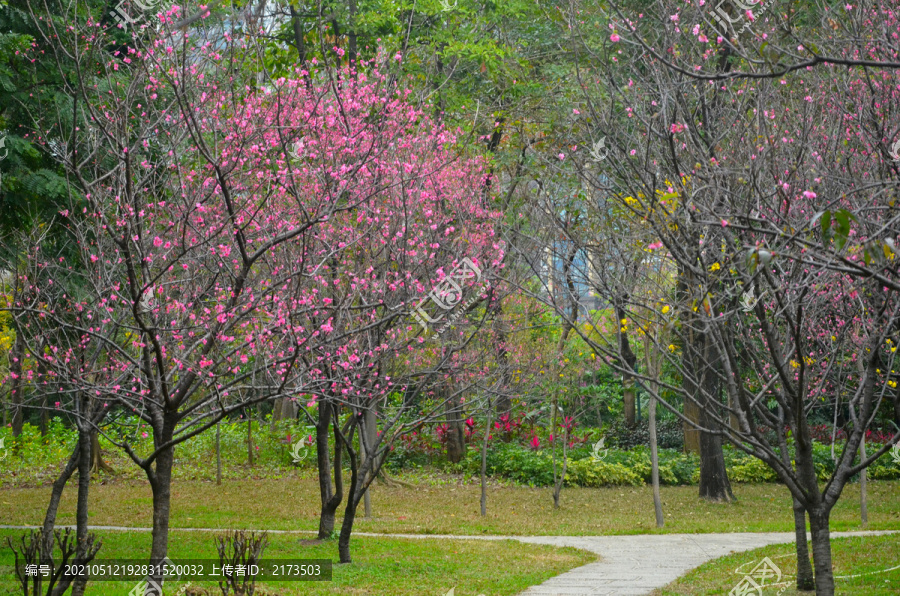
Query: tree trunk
{"type": "Point", "coordinates": [55, 496]}
{"type": "Point", "coordinates": [347, 524]}
{"type": "Point", "coordinates": [558, 484]}
{"type": "Point", "coordinates": [161, 485]}
{"type": "Point", "coordinates": [702, 388]}
{"type": "Point", "coordinates": [218, 455]}
{"type": "Point", "coordinates": [330, 499]}
{"type": "Point", "coordinates": [484, 444]}
{"type": "Point", "coordinates": [353, 498]}
{"type": "Point", "coordinates": [371, 432]}
{"type": "Point", "coordinates": [276, 412]}
{"type": "Point", "coordinates": [805, 580]}
{"type": "Point", "coordinates": [714, 484]}
{"type": "Point", "coordinates": [97, 463]}
{"type": "Point", "coordinates": [249, 437]}
{"type": "Point", "coordinates": [628, 398]}
{"type": "Point", "coordinates": [691, 434]}
{"type": "Point", "coordinates": [81, 509]}
{"type": "Point", "coordinates": [456, 437]}
{"type": "Point", "coordinates": [16, 387]}
{"type": "Point", "coordinates": [654, 462]}
{"type": "Point", "coordinates": [863, 506]}
{"type": "Point", "coordinates": [821, 547]}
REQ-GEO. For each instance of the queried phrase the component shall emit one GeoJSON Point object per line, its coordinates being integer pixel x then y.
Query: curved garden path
{"type": "Point", "coordinates": [632, 565]}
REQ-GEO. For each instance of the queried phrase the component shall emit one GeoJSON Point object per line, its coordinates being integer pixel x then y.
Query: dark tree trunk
{"type": "Point", "coordinates": [354, 496]}
{"type": "Point", "coordinates": [347, 524]}
{"type": "Point", "coordinates": [330, 497]}
{"type": "Point", "coordinates": [161, 485]}
{"type": "Point", "coordinates": [370, 429]}
{"type": "Point", "coordinates": [16, 387]}
{"type": "Point", "coordinates": [503, 402]}
{"type": "Point", "coordinates": [702, 387]}
{"type": "Point", "coordinates": [456, 438]}
{"type": "Point", "coordinates": [821, 547]}
{"type": "Point", "coordinates": [81, 509]}
{"type": "Point", "coordinates": [55, 496]}
{"type": "Point", "coordinates": [249, 437]}
{"type": "Point", "coordinates": [691, 434]}
{"type": "Point", "coordinates": [714, 484]}
{"type": "Point", "coordinates": [629, 362]}
{"type": "Point", "coordinates": [628, 398]}
{"type": "Point", "coordinates": [218, 455]}
{"type": "Point", "coordinates": [805, 580]}
{"type": "Point", "coordinates": [484, 443]}
{"type": "Point", "coordinates": [97, 463]}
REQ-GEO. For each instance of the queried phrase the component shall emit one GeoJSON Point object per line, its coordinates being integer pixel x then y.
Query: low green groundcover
{"type": "Point", "coordinates": [863, 566]}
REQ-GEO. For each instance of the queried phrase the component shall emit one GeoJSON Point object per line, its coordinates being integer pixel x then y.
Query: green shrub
{"type": "Point", "coordinates": [595, 473]}
{"type": "Point", "coordinates": [669, 434]}
{"type": "Point", "coordinates": [750, 469]}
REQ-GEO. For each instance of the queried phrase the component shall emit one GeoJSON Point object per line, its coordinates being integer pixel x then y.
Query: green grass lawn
{"type": "Point", "coordinates": [864, 566]}
{"type": "Point", "coordinates": [401, 567]}
{"type": "Point", "coordinates": [293, 504]}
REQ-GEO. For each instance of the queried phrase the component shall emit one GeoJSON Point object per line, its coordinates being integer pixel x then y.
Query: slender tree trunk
{"type": "Point", "coordinates": [161, 485]}
{"type": "Point", "coordinates": [503, 403]}
{"type": "Point", "coordinates": [863, 506]}
{"type": "Point", "coordinates": [702, 388]}
{"type": "Point", "coordinates": [821, 547]}
{"type": "Point", "coordinates": [557, 488]}
{"type": "Point", "coordinates": [805, 581]}
{"type": "Point", "coordinates": [97, 463]}
{"type": "Point", "coordinates": [249, 437]}
{"type": "Point", "coordinates": [347, 523]}
{"type": "Point", "coordinates": [81, 508]}
{"type": "Point", "coordinates": [629, 401]}
{"type": "Point", "coordinates": [218, 454]}
{"type": "Point", "coordinates": [330, 498]}
{"type": "Point", "coordinates": [276, 412]}
{"type": "Point", "coordinates": [654, 463]}
{"type": "Point", "coordinates": [55, 496]}
{"type": "Point", "coordinates": [652, 366]}
{"type": "Point", "coordinates": [456, 437]}
{"type": "Point", "coordinates": [484, 444]}
{"type": "Point", "coordinates": [714, 483]}
{"type": "Point", "coordinates": [691, 434]}
{"type": "Point", "coordinates": [353, 499]}
{"type": "Point", "coordinates": [371, 432]}
{"type": "Point", "coordinates": [16, 387]}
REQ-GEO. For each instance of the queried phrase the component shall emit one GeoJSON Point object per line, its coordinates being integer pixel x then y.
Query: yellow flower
{"type": "Point", "coordinates": [715, 267]}
{"type": "Point", "coordinates": [893, 384]}
{"type": "Point", "coordinates": [623, 321]}
{"type": "Point", "coordinates": [672, 348]}
{"type": "Point", "coordinates": [665, 309]}
{"type": "Point", "coordinates": [795, 364]}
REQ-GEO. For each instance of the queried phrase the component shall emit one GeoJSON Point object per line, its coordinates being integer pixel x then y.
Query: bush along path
{"type": "Point", "coordinates": [627, 566]}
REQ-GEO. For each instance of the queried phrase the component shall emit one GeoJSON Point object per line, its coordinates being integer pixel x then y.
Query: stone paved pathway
{"type": "Point", "coordinates": [629, 566]}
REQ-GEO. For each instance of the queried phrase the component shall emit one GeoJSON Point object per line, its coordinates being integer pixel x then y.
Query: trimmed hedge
{"type": "Point", "coordinates": [632, 467]}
